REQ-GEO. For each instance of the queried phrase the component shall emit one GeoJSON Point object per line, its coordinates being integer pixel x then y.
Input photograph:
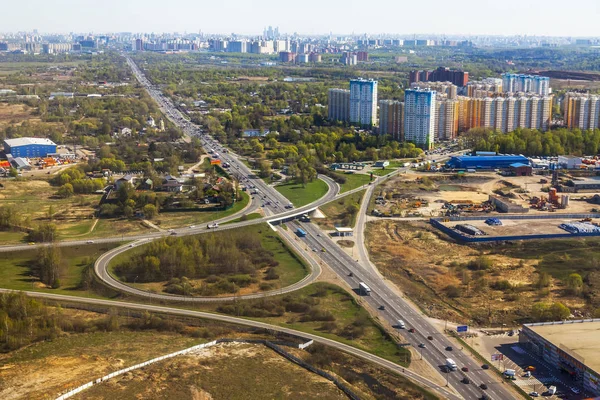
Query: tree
{"type": "Point", "coordinates": [45, 232]}
{"type": "Point", "coordinates": [65, 191]}
{"type": "Point", "coordinates": [49, 264]}
{"type": "Point", "coordinates": [543, 280]}
{"type": "Point", "coordinates": [575, 284]}
{"type": "Point", "coordinates": [559, 312]}
{"type": "Point", "coordinates": [264, 169]}
{"type": "Point", "coordinates": [13, 173]}
{"type": "Point", "coordinates": [150, 211]}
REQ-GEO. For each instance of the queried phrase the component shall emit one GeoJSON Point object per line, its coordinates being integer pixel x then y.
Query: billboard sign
{"type": "Point", "coordinates": [462, 328]}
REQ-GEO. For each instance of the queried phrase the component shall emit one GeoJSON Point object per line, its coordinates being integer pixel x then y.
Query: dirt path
{"type": "Point", "coordinates": [191, 169]}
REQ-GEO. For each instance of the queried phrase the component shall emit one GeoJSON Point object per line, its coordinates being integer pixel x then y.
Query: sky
{"type": "Point", "coordinates": [451, 17]}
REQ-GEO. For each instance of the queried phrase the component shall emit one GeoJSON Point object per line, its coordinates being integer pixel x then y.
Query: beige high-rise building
{"type": "Point", "coordinates": [339, 105]}
{"type": "Point", "coordinates": [391, 119]}
{"type": "Point", "coordinates": [505, 113]}
{"type": "Point", "coordinates": [447, 88]}
{"type": "Point", "coordinates": [446, 118]}
{"type": "Point", "coordinates": [581, 111]}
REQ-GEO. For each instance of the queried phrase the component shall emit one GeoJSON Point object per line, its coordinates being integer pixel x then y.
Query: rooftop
{"type": "Point", "coordinates": [580, 339]}
{"type": "Point", "coordinates": [25, 141]}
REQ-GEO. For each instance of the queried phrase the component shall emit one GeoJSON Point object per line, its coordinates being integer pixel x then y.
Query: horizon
{"type": "Point", "coordinates": [551, 18]}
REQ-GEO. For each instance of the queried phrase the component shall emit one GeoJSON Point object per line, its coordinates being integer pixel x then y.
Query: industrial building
{"type": "Point", "coordinates": [486, 162]}
{"type": "Point", "coordinates": [571, 347]}
{"type": "Point", "coordinates": [29, 147]}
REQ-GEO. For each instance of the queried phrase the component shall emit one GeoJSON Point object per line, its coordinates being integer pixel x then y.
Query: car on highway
{"type": "Point", "coordinates": [422, 345]}
{"type": "Point", "coordinates": [465, 369]}
{"type": "Point", "coordinates": [351, 274]}
{"type": "Point", "coordinates": [449, 348]}
{"type": "Point", "coordinates": [412, 330]}
{"type": "Point", "coordinates": [483, 386]}
{"type": "Point", "coordinates": [31, 243]}
{"type": "Point", "coordinates": [382, 307]}
{"type": "Point", "coordinates": [466, 380]}
{"type": "Point", "coordinates": [530, 368]}
{"type": "Point", "coordinates": [90, 242]}
{"type": "Point", "coordinates": [430, 337]}
{"type": "Point", "coordinates": [485, 366]}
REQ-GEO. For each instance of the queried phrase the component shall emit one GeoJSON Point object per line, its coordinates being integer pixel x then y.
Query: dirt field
{"type": "Point", "coordinates": [226, 371]}
{"type": "Point", "coordinates": [11, 114]}
{"type": "Point", "coordinates": [432, 270]}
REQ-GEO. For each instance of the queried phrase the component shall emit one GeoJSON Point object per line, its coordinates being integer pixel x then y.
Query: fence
{"type": "Point", "coordinates": [276, 348]}
{"type": "Point", "coordinates": [480, 239]}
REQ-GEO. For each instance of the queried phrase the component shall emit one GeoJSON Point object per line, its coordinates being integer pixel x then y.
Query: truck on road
{"type": "Point", "coordinates": [451, 365]}
{"type": "Point", "coordinates": [212, 226]}
{"type": "Point", "coordinates": [363, 289]}
{"type": "Point", "coordinates": [300, 232]}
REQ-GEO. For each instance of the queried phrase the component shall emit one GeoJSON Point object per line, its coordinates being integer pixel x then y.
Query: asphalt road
{"type": "Point", "coordinates": [246, 322]}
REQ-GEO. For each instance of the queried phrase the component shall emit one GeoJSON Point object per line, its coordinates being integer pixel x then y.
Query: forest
{"type": "Point", "coordinates": [535, 143]}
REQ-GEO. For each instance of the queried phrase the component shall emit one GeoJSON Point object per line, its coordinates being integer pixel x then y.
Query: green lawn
{"type": "Point", "coordinates": [15, 271]}
{"type": "Point", "coordinates": [353, 181]}
{"type": "Point", "coordinates": [382, 172]}
{"type": "Point", "coordinates": [300, 196]}
{"type": "Point", "coordinates": [245, 217]}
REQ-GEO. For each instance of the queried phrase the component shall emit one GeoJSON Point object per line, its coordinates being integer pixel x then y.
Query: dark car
{"type": "Point", "coordinates": [465, 369]}
{"type": "Point", "coordinates": [485, 366]}
{"type": "Point", "coordinates": [412, 330]}
{"type": "Point", "coordinates": [351, 274]}
{"type": "Point", "coordinates": [466, 380]}
{"type": "Point", "coordinates": [422, 345]}
{"type": "Point", "coordinates": [430, 337]}
{"type": "Point", "coordinates": [382, 307]}
{"type": "Point", "coordinates": [449, 348]}
{"type": "Point", "coordinates": [483, 386]}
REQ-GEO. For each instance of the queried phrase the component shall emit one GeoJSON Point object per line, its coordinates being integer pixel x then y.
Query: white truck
{"type": "Point", "coordinates": [451, 365]}
{"type": "Point", "coordinates": [551, 390]}
{"type": "Point", "coordinates": [212, 226]}
{"type": "Point", "coordinates": [401, 324]}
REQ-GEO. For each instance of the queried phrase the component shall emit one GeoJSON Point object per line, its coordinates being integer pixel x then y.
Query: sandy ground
{"type": "Point", "coordinates": [518, 227]}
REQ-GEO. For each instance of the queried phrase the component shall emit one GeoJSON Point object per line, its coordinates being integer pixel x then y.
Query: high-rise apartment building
{"type": "Point", "coordinates": [441, 74]}
{"type": "Point", "coordinates": [526, 84]}
{"type": "Point", "coordinates": [446, 118]}
{"type": "Point", "coordinates": [581, 111]}
{"type": "Point", "coordinates": [339, 105]}
{"type": "Point", "coordinates": [484, 88]}
{"type": "Point", "coordinates": [391, 119]}
{"type": "Point", "coordinates": [447, 88]}
{"type": "Point", "coordinates": [363, 102]}
{"type": "Point", "coordinates": [419, 117]}
{"type": "Point", "coordinates": [505, 113]}
{"type": "Point", "coordinates": [237, 46]}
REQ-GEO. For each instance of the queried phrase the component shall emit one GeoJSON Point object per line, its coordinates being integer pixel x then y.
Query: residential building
{"type": "Point", "coordinates": [419, 117]}
{"type": "Point", "coordinates": [446, 118]}
{"type": "Point", "coordinates": [441, 74]}
{"type": "Point", "coordinates": [581, 110]}
{"type": "Point", "coordinates": [349, 58]}
{"type": "Point", "coordinates": [287, 57]}
{"type": "Point", "coordinates": [339, 105]}
{"type": "Point", "coordinates": [363, 102]}
{"type": "Point", "coordinates": [447, 88]}
{"type": "Point", "coordinates": [29, 147]}
{"type": "Point", "coordinates": [484, 88]}
{"type": "Point", "coordinates": [526, 83]}
{"type": "Point", "coordinates": [237, 46]}
{"type": "Point", "coordinates": [391, 119]}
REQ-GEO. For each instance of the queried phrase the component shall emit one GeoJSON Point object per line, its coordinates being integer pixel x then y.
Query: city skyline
{"type": "Point", "coordinates": [244, 18]}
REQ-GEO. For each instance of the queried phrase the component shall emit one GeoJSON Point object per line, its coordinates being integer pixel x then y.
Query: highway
{"type": "Point", "coordinates": [424, 382]}
{"type": "Point", "coordinates": [388, 305]}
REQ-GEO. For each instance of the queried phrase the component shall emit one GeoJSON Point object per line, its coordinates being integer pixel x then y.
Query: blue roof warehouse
{"type": "Point", "coordinates": [29, 147]}
{"type": "Point", "coordinates": [485, 162]}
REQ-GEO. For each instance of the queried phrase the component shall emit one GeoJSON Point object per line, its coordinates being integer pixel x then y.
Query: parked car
{"type": "Point", "coordinates": [534, 394]}
{"type": "Point", "coordinates": [530, 368]}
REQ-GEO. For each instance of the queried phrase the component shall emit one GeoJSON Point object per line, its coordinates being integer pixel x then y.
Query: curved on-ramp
{"type": "Point", "coordinates": [421, 381]}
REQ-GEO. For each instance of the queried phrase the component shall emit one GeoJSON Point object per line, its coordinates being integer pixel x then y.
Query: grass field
{"type": "Point", "coordinates": [15, 271]}
{"type": "Point", "coordinates": [291, 267]}
{"type": "Point", "coordinates": [346, 322]}
{"type": "Point", "coordinates": [341, 212]}
{"type": "Point", "coordinates": [300, 196]}
{"type": "Point", "coordinates": [245, 217]}
{"type": "Point", "coordinates": [353, 181]}
{"type": "Point", "coordinates": [382, 172]}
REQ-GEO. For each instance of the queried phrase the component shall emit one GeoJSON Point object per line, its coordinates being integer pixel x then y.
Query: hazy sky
{"type": "Point", "coordinates": [497, 17]}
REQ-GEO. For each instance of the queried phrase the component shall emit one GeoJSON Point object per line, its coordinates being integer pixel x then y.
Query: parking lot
{"type": "Point", "coordinates": [518, 359]}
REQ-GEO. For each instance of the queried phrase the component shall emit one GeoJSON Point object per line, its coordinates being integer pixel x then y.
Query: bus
{"type": "Point", "coordinates": [300, 232]}
{"type": "Point", "coordinates": [363, 289]}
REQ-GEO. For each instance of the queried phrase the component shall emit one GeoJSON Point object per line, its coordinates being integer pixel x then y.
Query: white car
{"type": "Point", "coordinates": [534, 394]}
{"type": "Point", "coordinates": [90, 242]}
{"type": "Point", "coordinates": [575, 390]}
